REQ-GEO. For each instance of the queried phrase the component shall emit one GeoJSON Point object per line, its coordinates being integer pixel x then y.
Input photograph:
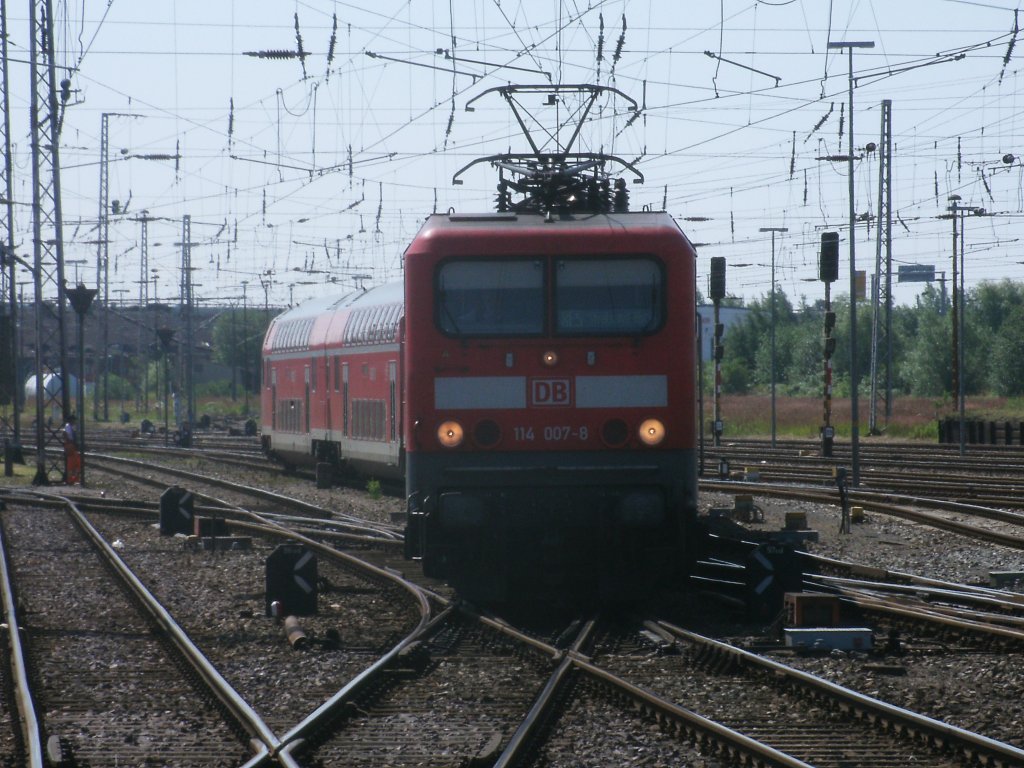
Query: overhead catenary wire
{"type": "Point", "coordinates": [704, 132]}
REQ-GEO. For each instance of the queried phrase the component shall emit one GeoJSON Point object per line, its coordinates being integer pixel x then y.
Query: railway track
{"type": "Point", "coordinates": [972, 615]}
{"type": "Point", "coordinates": [217, 599]}
{"type": "Point", "coordinates": [983, 629]}
{"type": "Point", "coordinates": [987, 474]}
{"type": "Point", "coordinates": [937, 513]}
{"type": "Point", "coordinates": [109, 678]}
{"type": "Point", "coordinates": [403, 687]}
{"type": "Point", "coordinates": [991, 479]}
{"type": "Point", "coordinates": [898, 614]}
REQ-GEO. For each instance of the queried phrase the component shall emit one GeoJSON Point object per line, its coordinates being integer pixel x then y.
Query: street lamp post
{"type": "Point", "coordinates": [245, 347]}
{"type": "Point", "coordinates": [854, 416]}
{"type": "Point", "coordinates": [959, 298]}
{"type": "Point", "coordinates": [9, 262]}
{"type": "Point", "coordinates": [81, 298]}
{"type": "Point", "coordinates": [773, 230]}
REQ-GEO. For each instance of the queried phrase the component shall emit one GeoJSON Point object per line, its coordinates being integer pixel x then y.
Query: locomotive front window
{"type": "Point", "coordinates": [491, 298]}
{"type": "Point", "coordinates": [608, 296]}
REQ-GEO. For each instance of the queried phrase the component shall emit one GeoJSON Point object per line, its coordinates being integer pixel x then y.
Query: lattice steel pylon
{"type": "Point", "coordinates": [881, 322]}
{"type": "Point", "coordinates": [143, 342]}
{"type": "Point", "coordinates": [10, 405]}
{"type": "Point", "coordinates": [52, 390]}
{"type": "Point", "coordinates": [187, 363]}
{"type": "Point", "coordinates": [103, 270]}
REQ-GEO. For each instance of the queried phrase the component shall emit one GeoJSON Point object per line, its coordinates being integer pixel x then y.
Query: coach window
{"type": "Point", "coordinates": [608, 296]}
{"type": "Point", "coordinates": [491, 298]}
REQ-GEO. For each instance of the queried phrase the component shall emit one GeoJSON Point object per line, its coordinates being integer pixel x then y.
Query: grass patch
{"type": "Point", "coordinates": [23, 474]}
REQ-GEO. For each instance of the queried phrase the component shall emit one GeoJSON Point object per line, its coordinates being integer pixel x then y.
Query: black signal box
{"type": "Point", "coordinates": [292, 580]}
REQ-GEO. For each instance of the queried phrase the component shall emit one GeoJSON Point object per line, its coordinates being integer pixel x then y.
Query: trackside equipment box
{"type": "Point", "coordinates": [811, 609]}
{"type": "Point", "coordinates": [829, 638]}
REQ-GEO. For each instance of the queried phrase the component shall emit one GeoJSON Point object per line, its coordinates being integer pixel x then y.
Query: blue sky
{"type": "Point", "coordinates": [301, 174]}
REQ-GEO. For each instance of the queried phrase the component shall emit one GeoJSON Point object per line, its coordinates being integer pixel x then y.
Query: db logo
{"type": "Point", "coordinates": [550, 392]}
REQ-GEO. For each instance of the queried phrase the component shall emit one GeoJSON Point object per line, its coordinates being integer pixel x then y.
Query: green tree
{"type": "Point", "coordinates": [926, 367]}
{"type": "Point", "coordinates": [992, 303]}
{"type": "Point", "coordinates": [805, 344]}
{"type": "Point", "coordinates": [1005, 372]}
{"type": "Point", "coordinates": [238, 341]}
{"type": "Point", "coordinates": [745, 339]}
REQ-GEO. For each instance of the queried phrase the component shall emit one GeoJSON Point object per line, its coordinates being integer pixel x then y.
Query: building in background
{"type": "Point", "coordinates": [727, 316]}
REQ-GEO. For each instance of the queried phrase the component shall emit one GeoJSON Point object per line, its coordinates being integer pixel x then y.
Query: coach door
{"type": "Point", "coordinates": [344, 399]}
{"type": "Point", "coordinates": [273, 398]}
{"type": "Point", "coordinates": [307, 397]}
{"type": "Point", "coordinates": [393, 400]}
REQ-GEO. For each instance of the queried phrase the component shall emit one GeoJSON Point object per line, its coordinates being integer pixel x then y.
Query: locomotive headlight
{"type": "Point", "coordinates": [652, 432]}
{"type": "Point", "coordinates": [550, 358]}
{"type": "Point", "coordinates": [450, 434]}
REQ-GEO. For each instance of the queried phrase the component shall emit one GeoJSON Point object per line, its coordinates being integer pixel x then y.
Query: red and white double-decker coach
{"type": "Point", "coordinates": [332, 384]}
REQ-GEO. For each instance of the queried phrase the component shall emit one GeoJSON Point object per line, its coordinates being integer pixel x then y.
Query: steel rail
{"type": "Point", "coordinates": [377, 537]}
{"type": "Point", "coordinates": [544, 704]}
{"type": "Point", "coordinates": [295, 738]}
{"type": "Point", "coordinates": [387, 542]}
{"type": "Point", "coordinates": [245, 715]}
{"type": "Point", "coordinates": [1009, 607]}
{"type": "Point", "coordinates": [951, 487]}
{"type": "Point", "coordinates": [988, 513]}
{"type": "Point", "coordinates": [692, 723]}
{"type": "Point", "coordinates": [804, 493]}
{"type": "Point", "coordinates": [19, 671]}
{"type": "Point", "coordinates": [870, 451]}
{"type": "Point", "coordinates": [934, 732]}
{"type": "Point", "coordinates": [274, 748]}
{"type": "Point", "coordinates": [574, 660]}
{"type": "Point", "coordinates": [919, 615]}
{"type": "Point", "coordinates": [311, 509]}
{"type": "Point", "coordinates": [879, 598]}
{"type": "Point", "coordinates": [926, 581]}
{"type": "Point", "coordinates": [298, 734]}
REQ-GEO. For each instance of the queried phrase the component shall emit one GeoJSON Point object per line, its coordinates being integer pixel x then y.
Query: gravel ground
{"type": "Point", "coordinates": [888, 542]}
{"type": "Point", "coordinates": [978, 691]}
{"type": "Point", "coordinates": [983, 692]}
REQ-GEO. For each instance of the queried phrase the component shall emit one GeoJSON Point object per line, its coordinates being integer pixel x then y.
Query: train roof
{"type": "Point", "coordinates": [381, 294]}
{"type": "Point", "coordinates": [294, 328]}
{"type": "Point", "coordinates": [653, 224]}
{"type": "Point", "coordinates": [583, 221]}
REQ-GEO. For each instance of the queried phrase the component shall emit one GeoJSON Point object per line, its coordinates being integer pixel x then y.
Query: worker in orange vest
{"type": "Point", "coordinates": [72, 456]}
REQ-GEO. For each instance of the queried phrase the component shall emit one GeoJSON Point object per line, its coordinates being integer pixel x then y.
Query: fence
{"type": "Point", "coordinates": [980, 432]}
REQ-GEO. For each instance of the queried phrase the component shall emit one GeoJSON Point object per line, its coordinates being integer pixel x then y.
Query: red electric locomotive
{"type": "Point", "coordinates": [538, 393]}
{"type": "Point", "coordinates": [550, 406]}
